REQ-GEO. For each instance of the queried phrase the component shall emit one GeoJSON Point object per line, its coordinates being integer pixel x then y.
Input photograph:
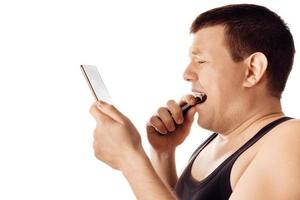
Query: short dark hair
{"type": "Point", "coordinates": [252, 28]}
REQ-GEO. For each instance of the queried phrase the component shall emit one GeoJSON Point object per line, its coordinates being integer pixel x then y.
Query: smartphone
{"type": "Point", "coordinates": [96, 83]}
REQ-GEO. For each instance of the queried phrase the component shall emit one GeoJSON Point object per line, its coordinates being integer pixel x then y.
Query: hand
{"type": "Point", "coordinates": [115, 137]}
{"type": "Point", "coordinates": [168, 128]}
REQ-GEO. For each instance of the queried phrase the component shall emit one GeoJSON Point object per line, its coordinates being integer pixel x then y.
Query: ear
{"type": "Point", "coordinates": [256, 65]}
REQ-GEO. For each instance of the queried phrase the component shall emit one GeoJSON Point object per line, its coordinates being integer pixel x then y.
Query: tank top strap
{"type": "Point", "coordinates": [259, 135]}
{"type": "Point", "coordinates": [216, 185]}
{"type": "Point", "coordinates": [202, 146]}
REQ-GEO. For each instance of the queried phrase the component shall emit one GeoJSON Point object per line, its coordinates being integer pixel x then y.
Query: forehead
{"type": "Point", "coordinates": [207, 40]}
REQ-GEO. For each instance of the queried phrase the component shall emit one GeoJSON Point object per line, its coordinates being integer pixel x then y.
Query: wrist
{"type": "Point", "coordinates": [162, 152]}
{"type": "Point", "coordinates": [132, 160]}
{"type": "Point", "coordinates": [165, 166]}
{"type": "Point", "coordinates": [138, 169]}
{"type": "Point", "coordinates": [162, 157]}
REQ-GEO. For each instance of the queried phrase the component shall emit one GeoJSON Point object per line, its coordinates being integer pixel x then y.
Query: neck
{"type": "Point", "coordinates": [263, 114]}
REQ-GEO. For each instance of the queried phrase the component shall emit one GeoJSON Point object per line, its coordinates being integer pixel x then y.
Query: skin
{"type": "Point", "coordinates": [239, 91]}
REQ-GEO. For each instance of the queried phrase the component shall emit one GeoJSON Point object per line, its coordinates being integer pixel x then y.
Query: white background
{"type": "Point", "coordinates": [141, 50]}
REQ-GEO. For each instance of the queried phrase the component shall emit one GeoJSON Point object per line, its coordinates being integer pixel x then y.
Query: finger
{"type": "Point", "coordinates": [98, 114]}
{"type": "Point", "coordinates": [175, 111]}
{"type": "Point", "coordinates": [191, 100]}
{"type": "Point", "coordinates": [156, 123]}
{"type": "Point", "coordinates": [189, 118]}
{"type": "Point", "coordinates": [187, 99]}
{"type": "Point", "coordinates": [96, 133]}
{"type": "Point", "coordinates": [166, 118]}
{"type": "Point", "coordinates": [111, 111]}
{"type": "Point", "coordinates": [95, 145]}
{"type": "Point", "coordinates": [97, 152]}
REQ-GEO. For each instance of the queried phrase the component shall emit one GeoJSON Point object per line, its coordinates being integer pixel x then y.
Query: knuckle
{"type": "Point", "coordinates": [96, 154]}
{"type": "Point", "coordinates": [153, 120]}
{"type": "Point", "coordinates": [168, 122]}
{"type": "Point", "coordinates": [91, 109]}
{"type": "Point", "coordinates": [171, 126]}
{"type": "Point", "coordinates": [96, 133]}
{"type": "Point", "coordinates": [109, 106]}
{"type": "Point", "coordinates": [179, 113]}
{"type": "Point", "coordinates": [95, 145]}
{"type": "Point", "coordinates": [176, 111]}
{"type": "Point", "coordinates": [125, 121]}
{"type": "Point", "coordinates": [160, 110]}
{"type": "Point", "coordinates": [171, 102]}
{"type": "Point", "coordinates": [157, 124]}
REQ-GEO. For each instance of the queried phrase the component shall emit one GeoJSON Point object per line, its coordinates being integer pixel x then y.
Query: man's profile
{"type": "Point", "coordinates": [241, 57]}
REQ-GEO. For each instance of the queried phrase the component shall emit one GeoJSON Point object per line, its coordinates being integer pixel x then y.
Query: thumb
{"type": "Point", "coordinates": [98, 115]}
{"type": "Point", "coordinates": [189, 117]}
{"type": "Point", "coordinates": [111, 111]}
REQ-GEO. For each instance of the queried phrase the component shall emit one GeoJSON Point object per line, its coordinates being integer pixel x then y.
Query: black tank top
{"type": "Point", "coordinates": [215, 186]}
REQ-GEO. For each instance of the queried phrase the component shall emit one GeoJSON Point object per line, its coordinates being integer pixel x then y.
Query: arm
{"type": "Point", "coordinates": [143, 179]}
{"type": "Point", "coordinates": [118, 144]}
{"type": "Point", "coordinates": [274, 173]}
{"type": "Point", "coordinates": [167, 129]}
{"type": "Point", "coordinates": [164, 165]}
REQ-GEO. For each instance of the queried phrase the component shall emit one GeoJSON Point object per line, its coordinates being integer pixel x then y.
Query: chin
{"type": "Point", "coordinates": [203, 123]}
{"type": "Point", "coordinates": [200, 122]}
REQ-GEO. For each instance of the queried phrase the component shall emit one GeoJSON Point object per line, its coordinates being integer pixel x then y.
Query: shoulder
{"type": "Point", "coordinates": [274, 172]}
{"type": "Point", "coordinates": [285, 135]}
{"type": "Point", "coordinates": [282, 148]}
{"type": "Point", "coordinates": [292, 124]}
{"type": "Point", "coordinates": [282, 144]}
{"type": "Point", "coordinates": [279, 158]}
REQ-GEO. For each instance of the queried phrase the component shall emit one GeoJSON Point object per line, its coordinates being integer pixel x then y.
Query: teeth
{"type": "Point", "coordinates": [201, 95]}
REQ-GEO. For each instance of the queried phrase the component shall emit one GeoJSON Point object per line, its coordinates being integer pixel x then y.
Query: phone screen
{"type": "Point", "coordinates": [96, 83]}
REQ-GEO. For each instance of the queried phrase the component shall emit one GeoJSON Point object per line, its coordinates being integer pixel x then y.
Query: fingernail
{"type": "Point", "coordinates": [103, 102]}
{"type": "Point", "coordinates": [180, 121]}
{"type": "Point", "coordinates": [99, 105]}
{"type": "Point", "coordinates": [190, 100]}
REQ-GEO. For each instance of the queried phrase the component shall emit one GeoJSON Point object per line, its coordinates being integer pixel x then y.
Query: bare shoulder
{"type": "Point", "coordinates": [282, 144]}
{"type": "Point", "coordinates": [285, 134]}
{"type": "Point", "coordinates": [290, 125]}
{"type": "Point", "coordinates": [274, 172]}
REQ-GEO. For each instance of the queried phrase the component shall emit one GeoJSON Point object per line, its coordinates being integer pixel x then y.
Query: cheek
{"type": "Point", "coordinates": [229, 80]}
{"type": "Point", "coordinates": [220, 84]}
{"type": "Point", "coordinates": [221, 90]}
{"type": "Point", "coordinates": [208, 77]}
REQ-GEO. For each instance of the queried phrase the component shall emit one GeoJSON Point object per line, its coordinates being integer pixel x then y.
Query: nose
{"type": "Point", "coordinates": [189, 74]}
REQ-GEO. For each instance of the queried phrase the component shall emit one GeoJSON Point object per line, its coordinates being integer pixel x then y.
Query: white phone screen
{"type": "Point", "coordinates": [96, 83]}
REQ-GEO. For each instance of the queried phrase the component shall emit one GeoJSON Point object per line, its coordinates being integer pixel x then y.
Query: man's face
{"type": "Point", "coordinates": [212, 71]}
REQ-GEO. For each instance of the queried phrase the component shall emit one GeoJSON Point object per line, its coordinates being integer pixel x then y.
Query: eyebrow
{"type": "Point", "coordinates": [195, 51]}
{"type": "Point", "coordinates": [197, 54]}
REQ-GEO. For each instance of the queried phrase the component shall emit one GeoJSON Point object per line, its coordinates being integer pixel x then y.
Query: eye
{"type": "Point", "coordinates": [201, 62]}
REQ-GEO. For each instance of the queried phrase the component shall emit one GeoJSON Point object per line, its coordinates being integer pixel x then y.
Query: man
{"type": "Point", "coordinates": [241, 57]}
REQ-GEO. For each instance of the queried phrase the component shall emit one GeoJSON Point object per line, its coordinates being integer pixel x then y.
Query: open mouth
{"type": "Point", "coordinates": [200, 97]}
